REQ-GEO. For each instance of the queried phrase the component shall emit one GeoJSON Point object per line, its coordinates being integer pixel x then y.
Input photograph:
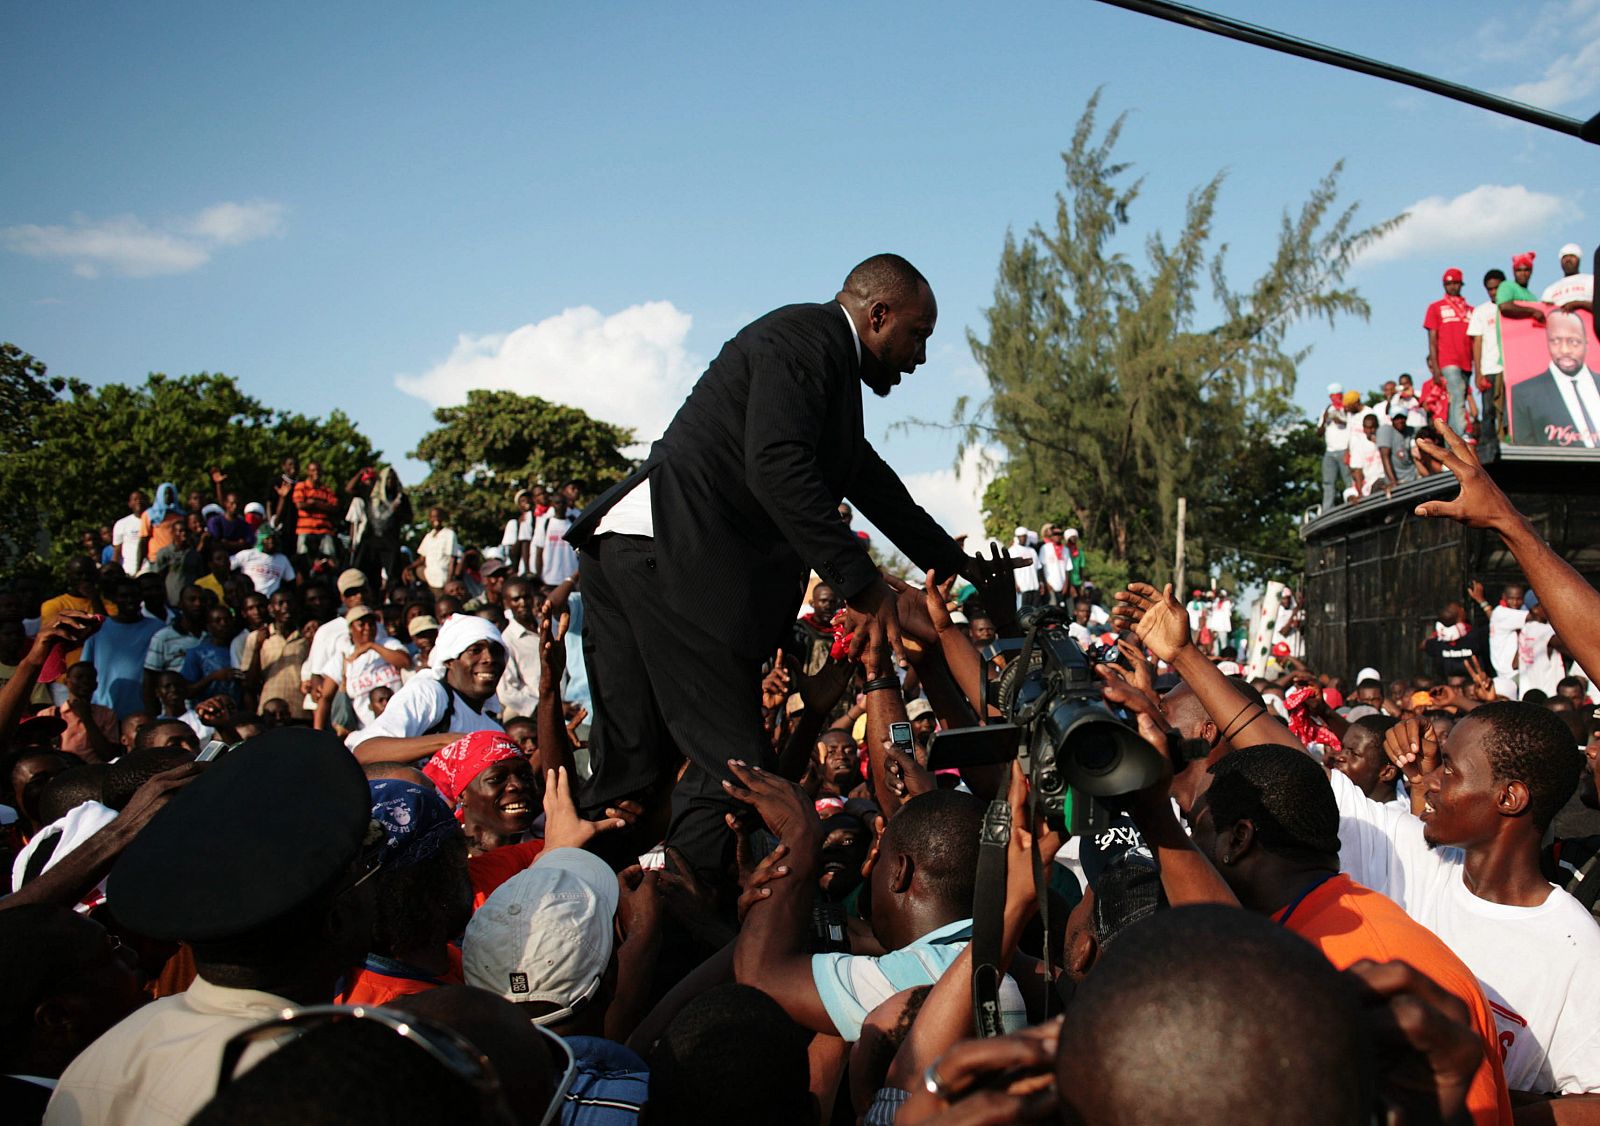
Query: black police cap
{"type": "Point", "coordinates": [258, 834]}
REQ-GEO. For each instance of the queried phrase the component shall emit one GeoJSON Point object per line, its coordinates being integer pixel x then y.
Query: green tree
{"type": "Point", "coordinates": [72, 455]}
{"type": "Point", "coordinates": [1113, 393]}
{"type": "Point", "coordinates": [498, 442]}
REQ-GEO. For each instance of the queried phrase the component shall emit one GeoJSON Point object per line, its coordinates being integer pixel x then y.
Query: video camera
{"type": "Point", "coordinates": [1073, 749]}
{"type": "Point", "coordinates": [1076, 754]}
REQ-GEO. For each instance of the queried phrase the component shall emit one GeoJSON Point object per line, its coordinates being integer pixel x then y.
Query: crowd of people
{"type": "Point", "coordinates": [294, 835]}
{"type": "Point", "coordinates": [1371, 442]}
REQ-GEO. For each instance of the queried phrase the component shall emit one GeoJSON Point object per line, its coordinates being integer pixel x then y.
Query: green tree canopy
{"type": "Point", "coordinates": [70, 453]}
{"type": "Point", "coordinates": [498, 442]}
{"type": "Point", "coordinates": [1112, 391]}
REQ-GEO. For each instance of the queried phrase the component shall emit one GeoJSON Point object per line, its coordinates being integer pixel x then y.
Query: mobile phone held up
{"type": "Point", "coordinates": [900, 736]}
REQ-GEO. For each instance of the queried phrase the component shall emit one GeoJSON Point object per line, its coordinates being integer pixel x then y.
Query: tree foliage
{"type": "Point", "coordinates": [498, 442]}
{"type": "Point", "coordinates": [1113, 391]}
{"type": "Point", "coordinates": [70, 453]}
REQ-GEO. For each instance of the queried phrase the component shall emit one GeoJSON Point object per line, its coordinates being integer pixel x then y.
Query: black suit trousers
{"type": "Point", "coordinates": [666, 690]}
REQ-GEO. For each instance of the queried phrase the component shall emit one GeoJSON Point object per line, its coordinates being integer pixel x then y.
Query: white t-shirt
{"type": "Point", "coordinates": [1538, 666]}
{"type": "Point", "coordinates": [265, 572]}
{"type": "Point", "coordinates": [1027, 577]}
{"type": "Point", "coordinates": [1220, 617]}
{"type": "Point", "coordinates": [419, 705]}
{"type": "Point", "coordinates": [1337, 428]}
{"type": "Point", "coordinates": [1505, 625]}
{"type": "Point", "coordinates": [508, 538]}
{"type": "Point", "coordinates": [560, 557]}
{"type": "Point", "coordinates": [368, 671]}
{"type": "Point", "coordinates": [1485, 322]}
{"type": "Point", "coordinates": [1196, 609]}
{"type": "Point", "coordinates": [1578, 287]}
{"type": "Point", "coordinates": [1539, 966]}
{"type": "Point", "coordinates": [436, 550]}
{"type": "Point", "coordinates": [125, 536]}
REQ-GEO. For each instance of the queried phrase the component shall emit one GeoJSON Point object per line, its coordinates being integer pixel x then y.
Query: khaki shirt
{"type": "Point", "coordinates": [159, 1064]}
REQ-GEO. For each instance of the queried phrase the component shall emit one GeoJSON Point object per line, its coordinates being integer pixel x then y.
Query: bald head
{"type": "Point", "coordinates": [885, 277]}
{"type": "Point", "coordinates": [1198, 1014]}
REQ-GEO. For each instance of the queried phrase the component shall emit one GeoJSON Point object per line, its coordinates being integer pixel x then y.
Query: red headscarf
{"type": "Point", "coordinates": [1524, 259]}
{"type": "Point", "coordinates": [1306, 727]}
{"type": "Point", "coordinates": [454, 768]}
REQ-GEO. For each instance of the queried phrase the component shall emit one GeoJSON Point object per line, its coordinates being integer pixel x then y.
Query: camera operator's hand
{"type": "Point", "coordinates": [1022, 898]}
{"type": "Point", "coordinates": [1145, 707]}
{"type": "Point", "coordinates": [1156, 619]}
{"type": "Point", "coordinates": [1139, 673]}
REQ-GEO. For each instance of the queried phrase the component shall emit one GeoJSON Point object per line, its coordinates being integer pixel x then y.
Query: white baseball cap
{"type": "Point", "coordinates": [918, 708]}
{"type": "Point", "coordinates": [1366, 674]}
{"type": "Point", "coordinates": [546, 933]}
{"type": "Point", "coordinates": [1571, 248]}
{"type": "Point", "coordinates": [1336, 389]}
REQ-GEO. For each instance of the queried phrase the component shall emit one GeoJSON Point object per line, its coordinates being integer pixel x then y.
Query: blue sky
{"type": "Point", "coordinates": [378, 206]}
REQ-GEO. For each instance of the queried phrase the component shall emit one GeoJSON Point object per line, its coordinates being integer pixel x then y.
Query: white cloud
{"type": "Point", "coordinates": [229, 224]}
{"type": "Point", "coordinates": [1558, 41]}
{"type": "Point", "coordinates": [630, 368]}
{"type": "Point", "coordinates": [1489, 215]}
{"type": "Point", "coordinates": [954, 497]}
{"type": "Point", "coordinates": [131, 247]}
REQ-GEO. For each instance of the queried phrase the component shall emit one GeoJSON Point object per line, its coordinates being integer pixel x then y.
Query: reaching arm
{"type": "Point", "coordinates": [883, 498]}
{"type": "Point", "coordinates": [71, 878]}
{"type": "Point", "coordinates": [1162, 625]}
{"type": "Point", "coordinates": [946, 1015]}
{"type": "Point", "coordinates": [555, 749]}
{"type": "Point", "coordinates": [770, 950]}
{"type": "Point", "coordinates": [1573, 605]}
{"type": "Point", "coordinates": [68, 629]}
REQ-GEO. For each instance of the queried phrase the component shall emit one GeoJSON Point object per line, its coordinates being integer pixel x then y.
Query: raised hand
{"type": "Point", "coordinates": [997, 586]}
{"type": "Point", "coordinates": [907, 778]}
{"type": "Point", "coordinates": [775, 685]}
{"type": "Point", "coordinates": [936, 597]}
{"type": "Point", "coordinates": [1427, 1049]}
{"type": "Point", "coordinates": [789, 814]}
{"type": "Point", "coordinates": [1138, 671]}
{"type": "Point", "coordinates": [1156, 619]}
{"type": "Point", "coordinates": [1482, 684]}
{"type": "Point", "coordinates": [563, 828]}
{"type": "Point", "coordinates": [1480, 504]}
{"type": "Point", "coordinates": [1413, 748]}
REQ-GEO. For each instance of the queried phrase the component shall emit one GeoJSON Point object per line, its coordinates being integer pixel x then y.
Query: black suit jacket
{"type": "Point", "coordinates": [746, 482]}
{"type": "Point", "coordinates": [1536, 404]}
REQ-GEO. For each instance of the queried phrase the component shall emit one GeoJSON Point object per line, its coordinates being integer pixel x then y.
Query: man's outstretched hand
{"type": "Point", "coordinates": [1480, 504]}
{"type": "Point", "coordinates": [873, 613]}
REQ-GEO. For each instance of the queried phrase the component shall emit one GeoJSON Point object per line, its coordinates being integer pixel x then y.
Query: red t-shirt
{"type": "Point", "coordinates": [1448, 316]}
{"type": "Point", "coordinates": [312, 523]}
{"type": "Point", "coordinates": [374, 986]}
{"type": "Point", "coordinates": [493, 868]}
{"type": "Point", "coordinates": [1435, 398]}
{"type": "Point", "coordinates": [1348, 923]}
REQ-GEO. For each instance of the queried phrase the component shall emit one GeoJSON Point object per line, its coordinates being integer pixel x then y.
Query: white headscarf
{"type": "Point", "coordinates": [459, 633]}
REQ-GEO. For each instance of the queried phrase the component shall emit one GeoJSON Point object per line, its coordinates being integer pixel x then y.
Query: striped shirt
{"type": "Point", "coordinates": [609, 1087]}
{"type": "Point", "coordinates": [852, 985]}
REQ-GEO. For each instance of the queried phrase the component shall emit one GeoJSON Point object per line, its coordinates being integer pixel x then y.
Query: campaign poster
{"type": "Point", "coordinates": [1552, 399]}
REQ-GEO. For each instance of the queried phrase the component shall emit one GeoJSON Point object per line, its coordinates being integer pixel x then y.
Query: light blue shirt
{"type": "Point", "coordinates": [852, 985]}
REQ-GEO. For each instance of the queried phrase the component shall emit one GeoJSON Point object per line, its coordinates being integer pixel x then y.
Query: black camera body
{"type": "Point", "coordinates": [1058, 727]}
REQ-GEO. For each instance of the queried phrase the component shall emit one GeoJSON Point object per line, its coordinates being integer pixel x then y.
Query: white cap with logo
{"type": "Point", "coordinates": [546, 933]}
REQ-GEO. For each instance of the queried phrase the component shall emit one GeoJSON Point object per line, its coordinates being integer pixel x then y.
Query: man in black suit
{"type": "Point", "coordinates": [1560, 406]}
{"type": "Point", "coordinates": [694, 567]}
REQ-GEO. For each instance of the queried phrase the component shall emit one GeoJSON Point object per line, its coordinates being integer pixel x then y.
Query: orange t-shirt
{"type": "Point", "coordinates": [493, 868]}
{"type": "Point", "coordinates": [381, 981]}
{"type": "Point", "coordinates": [158, 535]}
{"type": "Point", "coordinates": [1349, 923]}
